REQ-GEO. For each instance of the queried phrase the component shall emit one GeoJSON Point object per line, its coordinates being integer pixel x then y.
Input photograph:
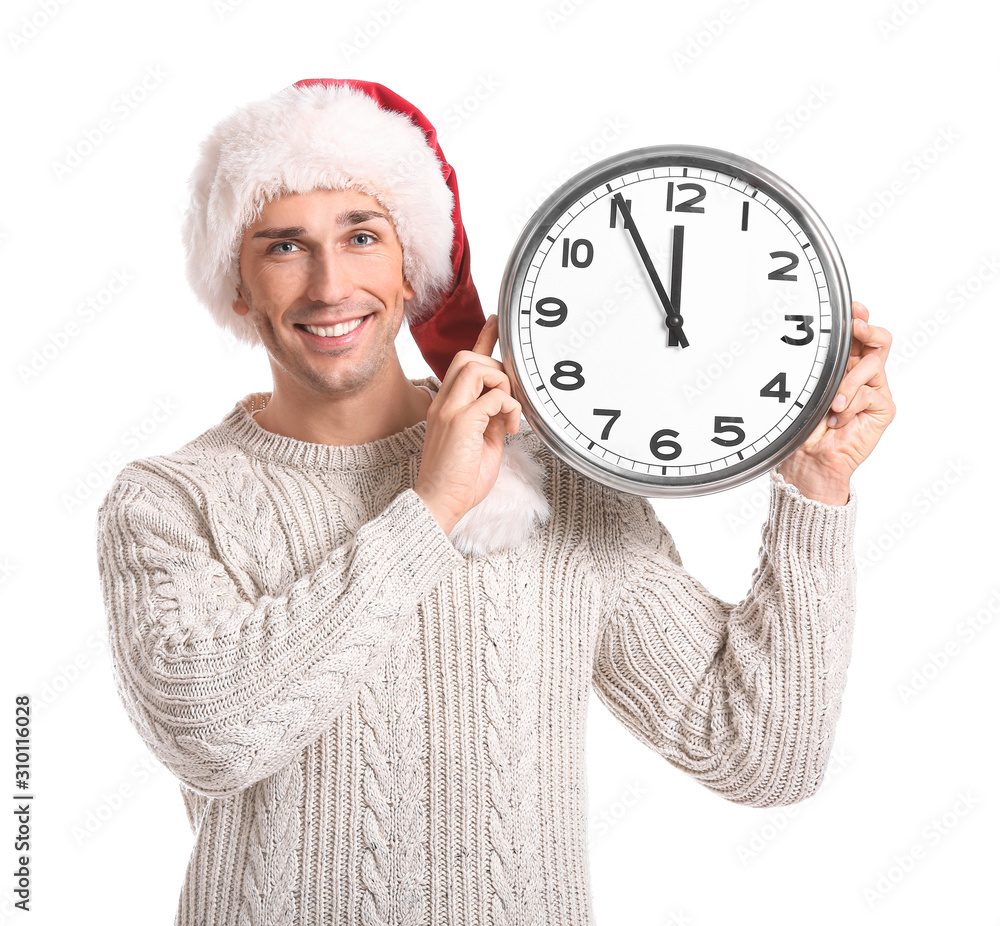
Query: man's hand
{"type": "Point", "coordinates": [466, 424]}
{"type": "Point", "coordinates": [821, 468]}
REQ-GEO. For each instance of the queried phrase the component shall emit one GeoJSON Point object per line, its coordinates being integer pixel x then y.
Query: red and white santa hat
{"type": "Point", "coordinates": [336, 134]}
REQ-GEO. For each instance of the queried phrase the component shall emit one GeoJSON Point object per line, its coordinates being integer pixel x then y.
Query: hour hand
{"type": "Point", "coordinates": [674, 320]}
{"type": "Point", "coordinates": [676, 265]}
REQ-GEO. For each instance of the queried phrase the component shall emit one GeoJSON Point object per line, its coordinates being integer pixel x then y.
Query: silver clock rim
{"type": "Point", "coordinates": [698, 157]}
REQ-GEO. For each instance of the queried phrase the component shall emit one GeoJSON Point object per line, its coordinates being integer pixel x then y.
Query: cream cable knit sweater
{"type": "Point", "coordinates": [370, 727]}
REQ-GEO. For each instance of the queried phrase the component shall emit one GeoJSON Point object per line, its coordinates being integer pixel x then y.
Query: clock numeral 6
{"type": "Point", "coordinates": [571, 252]}
{"type": "Point", "coordinates": [551, 317]}
{"type": "Point", "coordinates": [567, 370]}
{"type": "Point", "coordinates": [689, 205]}
{"type": "Point", "coordinates": [776, 389]}
{"type": "Point", "coordinates": [659, 441]}
{"type": "Point", "coordinates": [615, 414]}
{"type": "Point", "coordinates": [721, 427]}
{"type": "Point", "coordinates": [782, 273]}
{"type": "Point", "coordinates": [804, 324]}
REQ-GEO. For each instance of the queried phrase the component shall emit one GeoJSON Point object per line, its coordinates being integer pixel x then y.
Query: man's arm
{"type": "Point", "coordinates": [744, 697]}
{"type": "Point", "coordinates": [225, 690]}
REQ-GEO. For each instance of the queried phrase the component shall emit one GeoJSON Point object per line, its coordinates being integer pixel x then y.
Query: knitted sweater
{"type": "Point", "coordinates": [370, 727]}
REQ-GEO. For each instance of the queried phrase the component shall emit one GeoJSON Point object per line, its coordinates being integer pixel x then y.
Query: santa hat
{"type": "Point", "coordinates": [351, 134]}
{"type": "Point", "coordinates": [336, 134]}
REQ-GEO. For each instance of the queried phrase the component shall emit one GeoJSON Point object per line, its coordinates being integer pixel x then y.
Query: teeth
{"type": "Point", "coordinates": [336, 331]}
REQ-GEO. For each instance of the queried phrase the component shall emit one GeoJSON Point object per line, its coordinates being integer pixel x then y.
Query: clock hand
{"type": "Point", "coordinates": [676, 263]}
{"type": "Point", "coordinates": [674, 320]}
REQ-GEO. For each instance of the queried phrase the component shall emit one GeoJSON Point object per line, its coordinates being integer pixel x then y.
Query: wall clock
{"type": "Point", "coordinates": [675, 320]}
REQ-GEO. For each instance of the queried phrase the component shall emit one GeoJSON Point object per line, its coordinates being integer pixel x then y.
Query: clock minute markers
{"type": "Point", "coordinates": [674, 321]}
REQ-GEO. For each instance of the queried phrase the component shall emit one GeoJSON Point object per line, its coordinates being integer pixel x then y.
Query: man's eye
{"type": "Point", "coordinates": [279, 247]}
{"type": "Point", "coordinates": [362, 238]}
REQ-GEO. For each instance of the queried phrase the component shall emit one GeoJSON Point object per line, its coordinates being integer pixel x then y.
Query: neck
{"type": "Point", "coordinates": [372, 413]}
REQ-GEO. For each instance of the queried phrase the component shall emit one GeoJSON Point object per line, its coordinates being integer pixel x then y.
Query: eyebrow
{"type": "Point", "coordinates": [344, 220]}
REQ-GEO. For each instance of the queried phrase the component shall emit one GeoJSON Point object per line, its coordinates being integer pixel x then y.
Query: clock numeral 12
{"type": "Point", "coordinates": [689, 205]}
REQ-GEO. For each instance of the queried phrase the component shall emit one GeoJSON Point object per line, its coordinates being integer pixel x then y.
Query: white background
{"type": "Point", "coordinates": [882, 114]}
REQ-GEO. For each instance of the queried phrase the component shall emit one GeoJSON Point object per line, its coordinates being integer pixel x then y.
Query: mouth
{"type": "Point", "coordinates": [330, 335]}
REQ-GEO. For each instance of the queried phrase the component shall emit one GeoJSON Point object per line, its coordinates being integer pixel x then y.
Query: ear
{"type": "Point", "coordinates": [408, 292]}
{"type": "Point", "coordinates": [240, 306]}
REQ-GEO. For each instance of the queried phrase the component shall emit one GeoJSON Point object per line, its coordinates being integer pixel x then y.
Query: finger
{"type": "Point", "coordinates": [869, 369]}
{"type": "Point", "coordinates": [494, 406]}
{"type": "Point", "coordinates": [870, 401]}
{"type": "Point", "coordinates": [871, 337]}
{"type": "Point", "coordinates": [473, 379]}
{"type": "Point", "coordinates": [869, 373]}
{"type": "Point", "coordinates": [462, 359]}
{"type": "Point", "coordinates": [487, 339]}
{"type": "Point", "coordinates": [863, 333]}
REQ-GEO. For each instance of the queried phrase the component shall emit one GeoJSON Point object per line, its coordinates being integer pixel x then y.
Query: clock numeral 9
{"type": "Point", "coordinates": [782, 273]}
{"type": "Point", "coordinates": [804, 324]}
{"type": "Point", "coordinates": [689, 205]}
{"type": "Point", "coordinates": [567, 370]}
{"type": "Point", "coordinates": [551, 317]}
{"type": "Point", "coordinates": [659, 441]}
{"type": "Point", "coordinates": [776, 389]}
{"type": "Point", "coordinates": [571, 252]}
{"type": "Point", "coordinates": [721, 427]}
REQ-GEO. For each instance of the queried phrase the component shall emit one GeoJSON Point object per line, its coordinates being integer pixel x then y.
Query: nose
{"type": "Point", "coordinates": [330, 280]}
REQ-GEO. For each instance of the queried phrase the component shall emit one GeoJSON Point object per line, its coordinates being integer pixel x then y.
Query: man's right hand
{"type": "Point", "coordinates": [466, 423]}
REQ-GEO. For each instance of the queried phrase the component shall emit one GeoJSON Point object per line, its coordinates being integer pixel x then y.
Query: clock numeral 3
{"type": "Point", "coordinates": [659, 441]}
{"type": "Point", "coordinates": [551, 317]}
{"type": "Point", "coordinates": [782, 273]}
{"type": "Point", "coordinates": [615, 414]}
{"type": "Point", "coordinates": [571, 252]}
{"type": "Point", "coordinates": [567, 370]}
{"type": "Point", "coordinates": [804, 324]}
{"type": "Point", "coordinates": [689, 205]}
{"type": "Point", "coordinates": [775, 389]}
{"type": "Point", "coordinates": [721, 427]}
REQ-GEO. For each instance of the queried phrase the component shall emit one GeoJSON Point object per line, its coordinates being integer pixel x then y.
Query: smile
{"type": "Point", "coordinates": [336, 331]}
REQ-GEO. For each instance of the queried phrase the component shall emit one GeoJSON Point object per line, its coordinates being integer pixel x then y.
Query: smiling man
{"type": "Point", "coordinates": [326, 296]}
{"type": "Point", "coordinates": [360, 617]}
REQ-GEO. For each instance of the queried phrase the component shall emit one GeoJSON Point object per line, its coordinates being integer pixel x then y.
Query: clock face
{"type": "Point", "coordinates": [675, 320]}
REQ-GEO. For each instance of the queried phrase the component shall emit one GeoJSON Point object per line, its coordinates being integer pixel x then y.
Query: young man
{"type": "Point", "coordinates": [358, 619]}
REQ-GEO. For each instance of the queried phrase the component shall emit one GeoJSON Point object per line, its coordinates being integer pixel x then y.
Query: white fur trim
{"type": "Point", "coordinates": [508, 513]}
{"type": "Point", "coordinates": [303, 139]}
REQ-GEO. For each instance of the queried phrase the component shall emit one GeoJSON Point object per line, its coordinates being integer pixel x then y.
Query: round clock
{"type": "Point", "coordinates": [675, 320]}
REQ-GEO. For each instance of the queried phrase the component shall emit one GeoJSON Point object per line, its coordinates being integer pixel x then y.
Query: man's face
{"type": "Point", "coordinates": [325, 258]}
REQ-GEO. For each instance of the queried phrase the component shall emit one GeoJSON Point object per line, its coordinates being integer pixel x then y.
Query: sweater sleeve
{"type": "Point", "coordinates": [744, 697]}
{"type": "Point", "coordinates": [225, 690]}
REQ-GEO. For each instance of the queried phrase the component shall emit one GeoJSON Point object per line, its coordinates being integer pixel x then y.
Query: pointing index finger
{"type": "Point", "coordinates": [488, 337]}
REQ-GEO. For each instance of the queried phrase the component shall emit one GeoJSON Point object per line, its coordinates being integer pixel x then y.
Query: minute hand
{"type": "Point", "coordinates": [674, 320]}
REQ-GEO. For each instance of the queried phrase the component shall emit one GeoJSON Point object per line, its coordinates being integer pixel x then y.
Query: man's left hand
{"type": "Point", "coordinates": [821, 467]}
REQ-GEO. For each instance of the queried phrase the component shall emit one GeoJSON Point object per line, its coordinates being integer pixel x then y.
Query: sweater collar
{"type": "Point", "coordinates": [512, 510]}
{"type": "Point", "coordinates": [276, 448]}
